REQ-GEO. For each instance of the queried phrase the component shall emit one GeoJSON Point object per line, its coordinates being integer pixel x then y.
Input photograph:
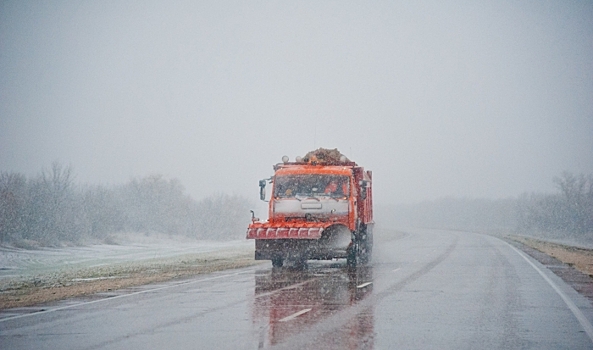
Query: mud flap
{"type": "Point", "coordinates": [360, 251]}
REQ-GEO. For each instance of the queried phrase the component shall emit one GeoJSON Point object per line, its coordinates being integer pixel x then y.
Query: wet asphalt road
{"type": "Point", "coordinates": [425, 289]}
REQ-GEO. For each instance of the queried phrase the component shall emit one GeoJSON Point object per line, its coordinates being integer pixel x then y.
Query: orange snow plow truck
{"type": "Point", "coordinates": [321, 207]}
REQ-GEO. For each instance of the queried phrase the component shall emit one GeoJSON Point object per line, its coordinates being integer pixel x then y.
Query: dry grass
{"type": "Point", "coordinates": [581, 259]}
{"type": "Point", "coordinates": [47, 288]}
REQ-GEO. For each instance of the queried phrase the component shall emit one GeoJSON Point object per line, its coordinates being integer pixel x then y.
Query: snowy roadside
{"type": "Point", "coordinates": [29, 277]}
{"type": "Point", "coordinates": [16, 262]}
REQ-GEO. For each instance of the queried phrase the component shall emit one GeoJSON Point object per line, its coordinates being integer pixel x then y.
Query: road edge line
{"type": "Point", "coordinates": [571, 305]}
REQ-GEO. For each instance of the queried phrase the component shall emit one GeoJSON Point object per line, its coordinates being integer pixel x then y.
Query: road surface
{"type": "Point", "coordinates": [426, 289]}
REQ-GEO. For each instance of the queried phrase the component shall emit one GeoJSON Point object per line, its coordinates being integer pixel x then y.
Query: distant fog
{"type": "Point", "coordinates": [439, 98]}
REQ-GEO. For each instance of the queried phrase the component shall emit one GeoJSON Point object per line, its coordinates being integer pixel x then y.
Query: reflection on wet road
{"type": "Point", "coordinates": [289, 301]}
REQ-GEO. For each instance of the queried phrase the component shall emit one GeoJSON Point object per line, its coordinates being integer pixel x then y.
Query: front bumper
{"type": "Point", "coordinates": [304, 249]}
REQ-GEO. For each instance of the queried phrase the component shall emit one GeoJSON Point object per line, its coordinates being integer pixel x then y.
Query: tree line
{"type": "Point", "coordinates": [567, 213]}
{"type": "Point", "coordinates": [51, 209]}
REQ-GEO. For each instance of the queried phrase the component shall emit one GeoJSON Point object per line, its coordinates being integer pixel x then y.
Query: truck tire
{"type": "Point", "coordinates": [364, 256]}
{"type": "Point", "coordinates": [365, 245]}
{"type": "Point", "coordinates": [277, 262]}
{"type": "Point", "coordinates": [361, 251]}
{"type": "Point", "coordinates": [352, 257]}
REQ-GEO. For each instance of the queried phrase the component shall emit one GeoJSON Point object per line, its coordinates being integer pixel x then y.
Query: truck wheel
{"type": "Point", "coordinates": [351, 258]}
{"type": "Point", "coordinates": [277, 262]}
{"type": "Point", "coordinates": [364, 255]}
{"type": "Point", "coordinates": [300, 263]}
{"type": "Point", "coordinates": [364, 251]}
{"type": "Point", "coordinates": [365, 247]}
{"type": "Point", "coordinates": [368, 244]}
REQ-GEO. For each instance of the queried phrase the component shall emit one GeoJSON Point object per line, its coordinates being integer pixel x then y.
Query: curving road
{"type": "Point", "coordinates": [425, 289]}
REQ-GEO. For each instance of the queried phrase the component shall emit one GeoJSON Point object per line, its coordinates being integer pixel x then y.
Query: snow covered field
{"type": "Point", "coordinates": [21, 263]}
{"type": "Point", "coordinates": [30, 277]}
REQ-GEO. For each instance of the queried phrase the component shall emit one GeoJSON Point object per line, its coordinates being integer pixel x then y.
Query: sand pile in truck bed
{"type": "Point", "coordinates": [324, 155]}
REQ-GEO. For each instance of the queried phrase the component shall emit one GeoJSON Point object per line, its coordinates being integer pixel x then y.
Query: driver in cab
{"type": "Point", "coordinates": [334, 188]}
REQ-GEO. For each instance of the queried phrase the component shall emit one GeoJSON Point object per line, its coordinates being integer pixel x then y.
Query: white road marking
{"type": "Point", "coordinates": [364, 285]}
{"type": "Point", "coordinates": [399, 268]}
{"type": "Point", "coordinates": [575, 310]}
{"type": "Point", "coordinates": [296, 314]}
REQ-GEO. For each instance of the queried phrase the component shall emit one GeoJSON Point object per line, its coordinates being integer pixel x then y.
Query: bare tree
{"type": "Point", "coordinates": [53, 214]}
{"type": "Point", "coordinates": [577, 211]}
{"type": "Point", "coordinates": [12, 204]}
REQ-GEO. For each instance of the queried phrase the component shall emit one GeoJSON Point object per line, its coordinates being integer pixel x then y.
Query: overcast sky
{"type": "Point", "coordinates": [438, 98]}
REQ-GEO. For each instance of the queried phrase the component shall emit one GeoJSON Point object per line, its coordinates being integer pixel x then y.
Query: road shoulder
{"type": "Point", "coordinates": [572, 264]}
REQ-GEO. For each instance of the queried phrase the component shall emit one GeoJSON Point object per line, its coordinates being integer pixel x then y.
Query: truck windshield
{"type": "Point", "coordinates": [311, 185]}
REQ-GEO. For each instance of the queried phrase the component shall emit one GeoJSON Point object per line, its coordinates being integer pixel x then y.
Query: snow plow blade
{"type": "Point", "coordinates": [302, 231]}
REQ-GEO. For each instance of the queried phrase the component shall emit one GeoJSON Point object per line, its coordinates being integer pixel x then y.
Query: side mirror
{"type": "Point", "coordinates": [262, 190]}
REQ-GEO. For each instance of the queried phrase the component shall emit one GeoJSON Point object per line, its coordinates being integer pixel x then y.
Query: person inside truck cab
{"type": "Point", "coordinates": [332, 187]}
{"type": "Point", "coordinates": [335, 187]}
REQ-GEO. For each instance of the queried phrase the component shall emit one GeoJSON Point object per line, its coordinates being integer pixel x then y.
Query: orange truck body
{"type": "Point", "coordinates": [317, 210]}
